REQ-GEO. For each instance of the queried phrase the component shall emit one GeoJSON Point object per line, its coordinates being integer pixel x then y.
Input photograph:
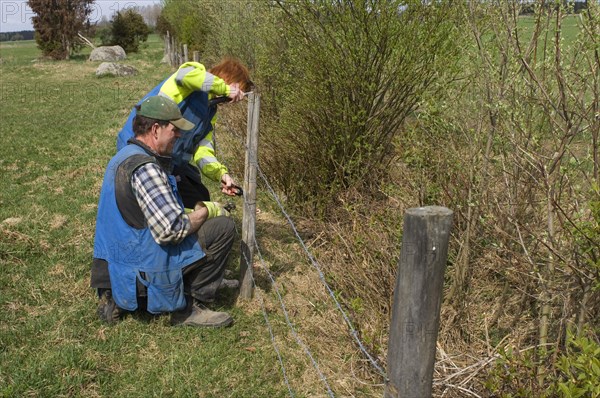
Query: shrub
{"type": "Point", "coordinates": [579, 369]}
{"type": "Point", "coordinates": [348, 76]}
{"type": "Point", "coordinates": [188, 21]}
{"type": "Point", "coordinates": [128, 30]}
{"type": "Point", "coordinates": [57, 23]}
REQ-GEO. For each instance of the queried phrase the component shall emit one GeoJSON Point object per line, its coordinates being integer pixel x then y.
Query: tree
{"type": "Point", "coordinates": [57, 23]}
{"type": "Point", "coordinates": [129, 29]}
{"type": "Point", "coordinates": [103, 31]}
{"type": "Point", "coordinates": [352, 72]}
{"type": "Point", "coordinates": [150, 14]}
{"type": "Point", "coordinates": [189, 21]}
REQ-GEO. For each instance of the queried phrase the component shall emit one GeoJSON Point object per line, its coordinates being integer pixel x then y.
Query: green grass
{"type": "Point", "coordinates": [570, 27]}
{"type": "Point", "coordinates": [18, 51]}
{"type": "Point", "coordinates": [57, 132]}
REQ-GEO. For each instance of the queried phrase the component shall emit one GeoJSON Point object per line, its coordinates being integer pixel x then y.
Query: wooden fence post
{"type": "Point", "coordinates": [173, 51]}
{"type": "Point", "coordinates": [196, 56]}
{"type": "Point", "coordinates": [167, 46]}
{"type": "Point", "coordinates": [249, 217]}
{"type": "Point", "coordinates": [185, 53]}
{"type": "Point", "coordinates": [417, 301]}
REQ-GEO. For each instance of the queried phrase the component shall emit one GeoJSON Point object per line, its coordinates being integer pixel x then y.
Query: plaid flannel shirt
{"type": "Point", "coordinates": [166, 218]}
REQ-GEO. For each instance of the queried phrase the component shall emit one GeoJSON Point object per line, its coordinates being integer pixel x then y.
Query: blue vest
{"type": "Point", "coordinates": [131, 251]}
{"type": "Point", "coordinates": [193, 108]}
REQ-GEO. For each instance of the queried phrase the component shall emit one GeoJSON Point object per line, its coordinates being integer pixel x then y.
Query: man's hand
{"type": "Point", "coordinates": [215, 209]}
{"type": "Point", "coordinates": [235, 93]}
{"type": "Point", "coordinates": [228, 186]}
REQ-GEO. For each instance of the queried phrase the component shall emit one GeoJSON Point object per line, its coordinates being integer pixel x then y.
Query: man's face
{"type": "Point", "coordinates": [166, 137]}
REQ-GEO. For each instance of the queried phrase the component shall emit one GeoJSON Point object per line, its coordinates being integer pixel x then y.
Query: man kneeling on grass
{"type": "Point", "coordinates": [147, 251]}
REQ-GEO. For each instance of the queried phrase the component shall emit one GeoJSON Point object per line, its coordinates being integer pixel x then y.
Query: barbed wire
{"type": "Point", "coordinates": [264, 311]}
{"type": "Point", "coordinates": [353, 331]}
{"type": "Point", "coordinates": [287, 319]}
{"type": "Point", "coordinates": [289, 323]}
{"type": "Point", "coordinates": [275, 346]}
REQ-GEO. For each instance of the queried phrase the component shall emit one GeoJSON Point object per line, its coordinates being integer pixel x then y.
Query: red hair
{"type": "Point", "coordinates": [233, 71]}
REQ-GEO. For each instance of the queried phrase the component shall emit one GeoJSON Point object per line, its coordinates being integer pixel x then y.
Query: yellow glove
{"type": "Point", "coordinates": [215, 209]}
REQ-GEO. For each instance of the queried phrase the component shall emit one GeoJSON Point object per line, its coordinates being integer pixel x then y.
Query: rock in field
{"type": "Point", "coordinates": [107, 53]}
{"type": "Point", "coordinates": [114, 69]}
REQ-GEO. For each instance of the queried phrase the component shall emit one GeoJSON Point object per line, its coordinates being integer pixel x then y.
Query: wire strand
{"type": "Point", "coordinates": [264, 311]}
{"type": "Point", "coordinates": [289, 323]}
{"type": "Point", "coordinates": [353, 331]}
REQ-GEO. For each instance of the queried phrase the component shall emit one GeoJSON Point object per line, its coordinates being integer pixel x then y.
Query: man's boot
{"type": "Point", "coordinates": [229, 284]}
{"type": "Point", "coordinates": [107, 308]}
{"type": "Point", "coordinates": [196, 314]}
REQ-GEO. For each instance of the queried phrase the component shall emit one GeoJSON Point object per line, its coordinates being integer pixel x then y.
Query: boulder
{"type": "Point", "coordinates": [114, 69]}
{"type": "Point", "coordinates": [108, 53]}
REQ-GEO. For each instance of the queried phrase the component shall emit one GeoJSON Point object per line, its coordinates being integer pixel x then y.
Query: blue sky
{"type": "Point", "coordinates": [16, 15]}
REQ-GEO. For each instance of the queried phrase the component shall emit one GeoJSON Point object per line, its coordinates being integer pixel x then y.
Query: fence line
{"type": "Point", "coordinates": [288, 322]}
{"type": "Point", "coordinates": [353, 331]}
{"type": "Point", "coordinates": [283, 307]}
{"type": "Point", "coordinates": [175, 53]}
{"type": "Point", "coordinates": [401, 379]}
{"type": "Point", "coordinates": [275, 346]}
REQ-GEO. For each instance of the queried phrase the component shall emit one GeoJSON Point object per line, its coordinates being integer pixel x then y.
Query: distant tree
{"type": "Point", "coordinates": [103, 31]}
{"type": "Point", "coordinates": [57, 23]}
{"type": "Point", "coordinates": [150, 13]}
{"type": "Point", "coordinates": [163, 26]}
{"type": "Point", "coordinates": [190, 21]}
{"type": "Point", "coordinates": [129, 29]}
{"type": "Point", "coordinates": [21, 35]}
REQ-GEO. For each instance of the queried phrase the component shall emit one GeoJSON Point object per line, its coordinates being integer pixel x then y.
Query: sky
{"type": "Point", "coordinates": [15, 15]}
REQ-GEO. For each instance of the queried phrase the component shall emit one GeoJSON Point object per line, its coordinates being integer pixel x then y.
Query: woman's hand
{"type": "Point", "coordinates": [235, 93]}
{"type": "Point", "coordinates": [228, 186]}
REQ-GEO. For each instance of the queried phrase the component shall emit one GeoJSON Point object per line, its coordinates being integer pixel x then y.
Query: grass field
{"type": "Point", "coordinates": [59, 124]}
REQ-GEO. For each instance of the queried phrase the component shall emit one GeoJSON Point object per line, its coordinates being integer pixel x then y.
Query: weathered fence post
{"type": "Point", "coordinates": [417, 301]}
{"type": "Point", "coordinates": [249, 217]}
{"type": "Point", "coordinates": [173, 51]}
{"type": "Point", "coordinates": [196, 56]}
{"type": "Point", "coordinates": [167, 45]}
{"type": "Point", "coordinates": [185, 53]}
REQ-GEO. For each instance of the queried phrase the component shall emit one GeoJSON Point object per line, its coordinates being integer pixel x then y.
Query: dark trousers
{"type": "Point", "coordinates": [200, 279]}
{"type": "Point", "coordinates": [190, 186]}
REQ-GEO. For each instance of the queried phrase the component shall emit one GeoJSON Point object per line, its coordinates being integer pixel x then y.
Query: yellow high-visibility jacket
{"type": "Point", "coordinates": [191, 86]}
{"type": "Point", "coordinates": [190, 78]}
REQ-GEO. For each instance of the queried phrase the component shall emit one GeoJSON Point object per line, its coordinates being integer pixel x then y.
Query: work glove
{"type": "Point", "coordinates": [215, 209]}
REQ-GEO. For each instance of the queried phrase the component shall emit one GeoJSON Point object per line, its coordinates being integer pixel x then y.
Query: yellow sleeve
{"type": "Point", "coordinates": [190, 77]}
{"type": "Point", "coordinates": [205, 159]}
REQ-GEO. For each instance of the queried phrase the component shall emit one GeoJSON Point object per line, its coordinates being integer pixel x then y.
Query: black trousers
{"type": "Point", "coordinates": [190, 186]}
{"type": "Point", "coordinates": [200, 279]}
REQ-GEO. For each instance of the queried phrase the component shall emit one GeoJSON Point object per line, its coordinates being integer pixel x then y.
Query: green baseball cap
{"type": "Point", "coordinates": [163, 108]}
